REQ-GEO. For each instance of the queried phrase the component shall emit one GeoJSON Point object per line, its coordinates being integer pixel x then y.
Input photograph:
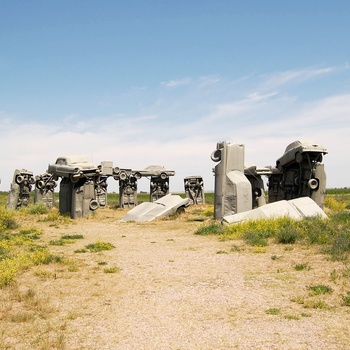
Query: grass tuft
{"type": "Point", "coordinates": [320, 289]}
{"type": "Point", "coordinates": [213, 228]}
{"type": "Point", "coordinates": [99, 246]}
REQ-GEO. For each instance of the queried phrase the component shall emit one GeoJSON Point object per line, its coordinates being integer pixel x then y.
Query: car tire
{"type": "Point", "coordinates": [138, 176]}
{"type": "Point", "coordinates": [123, 175]}
{"type": "Point", "coordinates": [313, 184]}
{"type": "Point", "coordinates": [19, 179]}
{"type": "Point", "coordinates": [216, 156]}
{"type": "Point", "coordinates": [74, 179]}
{"type": "Point", "coordinates": [94, 204]}
{"type": "Point", "coordinates": [40, 184]}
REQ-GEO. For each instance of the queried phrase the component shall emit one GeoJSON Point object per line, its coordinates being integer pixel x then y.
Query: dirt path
{"type": "Point", "coordinates": [177, 290]}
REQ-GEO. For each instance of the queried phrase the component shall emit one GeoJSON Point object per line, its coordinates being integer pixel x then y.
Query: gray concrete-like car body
{"type": "Point", "coordinates": [73, 167]}
{"type": "Point", "coordinates": [154, 170]}
{"type": "Point", "coordinates": [149, 211]}
{"type": "Point", "coordinates": [233, 192]}
{"type": "Point", "coordinates": [295, 209]}
{"type": "Point", "coordinates": [295, 150]}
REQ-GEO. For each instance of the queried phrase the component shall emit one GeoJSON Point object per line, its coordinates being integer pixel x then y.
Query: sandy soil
{"type": "Point", "coordinates": [177, 290]}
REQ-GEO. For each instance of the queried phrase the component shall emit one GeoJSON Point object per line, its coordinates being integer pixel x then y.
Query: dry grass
{"type": "Point", "coordinates": [162, 286]}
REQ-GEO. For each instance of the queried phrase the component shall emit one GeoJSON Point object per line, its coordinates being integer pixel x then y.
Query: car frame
{"type": "Point", "coordinates": [73, 167]}
{"type": "Point", "coordinates": [295, 153]}
{"type": "Point", "coordinates": [154, 170]}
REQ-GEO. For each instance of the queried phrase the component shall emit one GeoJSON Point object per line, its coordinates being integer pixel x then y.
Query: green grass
{"type": "Point", "coordinates": [346, 299]}
{"type": "Point", "coordinates": [301, 267]}
{"type": "Point", "coordinates": [332, 234]}
{"type": "Point", "coordinates": [273, 311]}
{"type": "Point", "coordinates": [213, 228]}
{"type": "Point", "coordinates": [112, 201]}
{"type": "Point", "coordinates": [320, 289]}
{"type": "Point", "coordinates": [99, 246]}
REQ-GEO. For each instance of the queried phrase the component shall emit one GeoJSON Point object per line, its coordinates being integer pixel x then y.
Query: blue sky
{"type": "Point", "coordinates": [161, 82]}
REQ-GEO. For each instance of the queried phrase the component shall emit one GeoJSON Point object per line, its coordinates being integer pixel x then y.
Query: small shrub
{"type": "Point", "coordinates": [320, 289]}
{"type": "Point", "coordinates": [292, 317]}
{"type": "Point", "coordinates": [57, 242]}
{"type": "Point", "coordinates": [7, 220]}
{"type": "Point", "coordinates": [301, 267]}
{"type": "Point", "coordinates": [208, 212]}
{"type": "Point", "coordinates": [235, 248]}
{"type": "Point", "coordinates": [318, 230]}
{"type": "Point", "coordinates": [37, 208]}
{"type": "Point", "coordinates": [221, 252]}
{"type": "Point", "coordinates": [288, 235]}
{"type": "Point", "coordinates": [259, 250]}
{"type": "Point", "coordinates": [80, 251]}
{"type": "Point", "coordinates": [316, 304]}
{"type": "Point", "coordinates": [73, 268]}
{"type": "Point", "coordinates": [111, 270]}
{"type": "Point", "coordinates": [340, 246]}
{"type": "Point", "coordinates": [255, 238]}
{"type": "Point", "coordinates": [72, 237]}
{"type": "Point", "coordinates": [214, 228]}
{"type": "Point", "coordinates": [346, 299]}
{"type": "Point", "coordinates": [273, 311]}
{"type": "Point", "coordinates": [333, 204]}
{"type": "Point", "coordinates": [99, 246]}
{"type": "Point", "coordinates": [101, 263]}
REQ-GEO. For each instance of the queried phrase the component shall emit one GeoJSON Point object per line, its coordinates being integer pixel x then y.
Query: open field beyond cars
{"type": "Point", "coordinates": [182, 282]}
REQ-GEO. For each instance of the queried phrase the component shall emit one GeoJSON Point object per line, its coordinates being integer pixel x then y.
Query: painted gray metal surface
{"type": "Point", "coordinates": [44, 189]}
{"type": "Point", "coordinates": [194, 189]}
{"type": "Point", "coordinates": [232, 189]}
{"type": "Point", "coordinates": [20, 189]}
{"type": "Point", "coordinates": [295, 209]}
{"type": "Point", "coordinates": [149, 211]}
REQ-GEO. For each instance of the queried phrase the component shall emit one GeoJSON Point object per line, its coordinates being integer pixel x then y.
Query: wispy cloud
{"type": "Point", "coordinates": [294, 76]}
{"type": "Point", "coordinates": [181, 130]}
{"type": "Point", "coordinates": [176, 83]}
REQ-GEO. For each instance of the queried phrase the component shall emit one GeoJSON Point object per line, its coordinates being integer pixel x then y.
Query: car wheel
{"type": "Point", "coordinates": [19, 179]}
{"type": "Point", "coordinates": [122, 175]}
{"type": "Point", "coordinates": [138, 176]}
{"type": "Point", "coordinates": [93, 204]}
{"type": "Point", "coordinates": [163, 176]}
{"type": "Point", "coordinates": [216, 156]}
{"type": "Point", "coordinates": [313, 184]}
{"type": "Point", "coordinates": [74, 178]}
{"type": "Point", "coordinates": [40, 184]}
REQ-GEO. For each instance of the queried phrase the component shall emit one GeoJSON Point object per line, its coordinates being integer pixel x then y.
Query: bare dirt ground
{"type": "Point", "coordinates": [177, 290]}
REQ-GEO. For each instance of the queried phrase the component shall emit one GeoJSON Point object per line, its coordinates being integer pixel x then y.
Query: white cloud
{"type": "Point", "coordinates": [176, 83]}
{"type": "Point", "coordinates": [265, 121]}
{"type": "Point", "coordinates": [292, 76]}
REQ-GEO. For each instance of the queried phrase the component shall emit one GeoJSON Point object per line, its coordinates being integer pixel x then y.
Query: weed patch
{"type": "Point", "coordinates": [214, 228]}
{"type": "Point", "coordinates": [273, 311]}
{"type": "Point", "coordinates": [346, 299]}
{"type": "Point", "coordinates": [320, 289]}
{"type": "Point", "coordinates": [99, 246]}
{"type": "Point", "coordinates": [111, 270]}
{"type": "Point", "coordinates": [301, 267]}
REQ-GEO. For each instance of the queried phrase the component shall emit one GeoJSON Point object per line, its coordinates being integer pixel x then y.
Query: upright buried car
{"type": "Point", "coordinates": [73, 167]}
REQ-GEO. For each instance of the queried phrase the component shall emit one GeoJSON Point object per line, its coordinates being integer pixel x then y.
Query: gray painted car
{"type": "Point", "coordinates": [73, 167]}
{"type": "Point", "coordinates": [296, 150]}
{"type": "Point", "coordinates": [149, 211]}
{"type": "Point", "coordinates": [154, 170]}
